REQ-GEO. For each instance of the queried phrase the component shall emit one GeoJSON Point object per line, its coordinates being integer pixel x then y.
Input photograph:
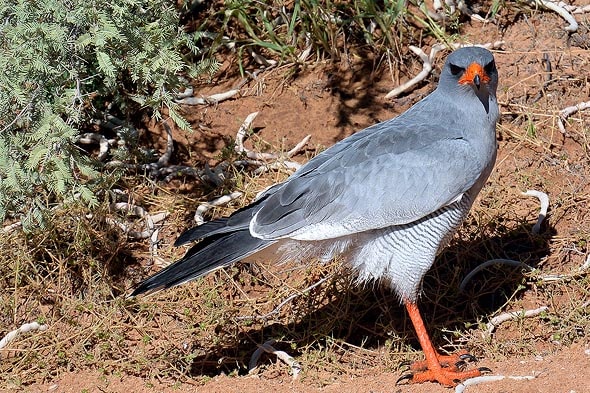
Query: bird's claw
{"type": "Point", "coordinates": [460, 365]}
{"type": "Point", "coordinates": [404, 377]}
{"type": "Point", "coordinates": [464, 359]}
{"type": "Point", "coordinates": [484, 370]}
{"type": "Point", "coordinates": [468, 357]}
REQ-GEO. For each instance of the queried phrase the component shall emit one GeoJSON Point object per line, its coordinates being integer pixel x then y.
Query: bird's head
{"type": "Point", "coordinates": [473, 71]}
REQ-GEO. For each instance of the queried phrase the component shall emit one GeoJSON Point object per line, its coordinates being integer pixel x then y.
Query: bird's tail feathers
{"type": "Point", "coordinates": [212, 253]}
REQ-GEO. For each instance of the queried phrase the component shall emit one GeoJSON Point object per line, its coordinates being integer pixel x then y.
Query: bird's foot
{"type": "Point", "coordinates": [454, 362]}
{"type": "Point", "coordinates": [449, 371]}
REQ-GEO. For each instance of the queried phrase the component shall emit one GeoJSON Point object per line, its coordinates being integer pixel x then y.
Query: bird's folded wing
{"type": "Point", "coordinates": [373, 180]}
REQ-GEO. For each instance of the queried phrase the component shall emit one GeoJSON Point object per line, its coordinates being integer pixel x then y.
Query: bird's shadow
{"type": "Point", "coordinates": [366, 316]}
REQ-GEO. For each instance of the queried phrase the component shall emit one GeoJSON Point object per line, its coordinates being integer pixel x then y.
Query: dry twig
{"type": "Point", "coordinates": [221, 201]}
{"type": "Point", "coordinates": [257, 157]}
{"type": "Point", "coordinates": [94, 137]}
{"type": "Point", "coordinates": [489, 378]}
{"type": "Point", "coordinates": [27, 327]}
{"type": "Point", "coordinates": [544, 199]}
{"type": "Point", "coordinates": [572, 27]}
{"type": "Point", "coordinates": [11, 227]}
{"type": "Point", "coordinates": [287, 300]}
{"type": "Point", "coordinates": [499, 261]}
{"type": "Point", "coordinates": [426, 68]}
{"type": "Point", "coordinates": [206, 100]}
{"type": "Point", "coordinates": [284, 356]}
{"type": "Point", "coordinates": [567, 112]}
{"type": "Point", "coordinates": [511, 316]}
{"type": "Point", "coordinates": [152, 230]}
{"type": "Point", "coordinates": [489, 45]}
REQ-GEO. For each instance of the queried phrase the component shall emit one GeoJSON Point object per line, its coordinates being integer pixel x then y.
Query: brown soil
{"type": "Point", "coordinates": [331, 102]}
{"type": "Point", "coordinates": [565, 372]}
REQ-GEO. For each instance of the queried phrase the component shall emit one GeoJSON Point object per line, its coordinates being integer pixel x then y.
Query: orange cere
{"type": "Point", "coordinates": [470, 73]}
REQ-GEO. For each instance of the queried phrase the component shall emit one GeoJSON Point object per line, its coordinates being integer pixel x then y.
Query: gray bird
{"type": "Point", "coordinates": [386, 199]}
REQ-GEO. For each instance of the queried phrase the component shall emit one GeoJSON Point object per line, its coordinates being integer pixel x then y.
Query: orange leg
{"type": "Point", "coordinates": [435, 367]}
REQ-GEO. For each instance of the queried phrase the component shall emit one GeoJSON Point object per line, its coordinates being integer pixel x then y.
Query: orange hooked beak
{"type": "Point", "coordinates": [474, 75]}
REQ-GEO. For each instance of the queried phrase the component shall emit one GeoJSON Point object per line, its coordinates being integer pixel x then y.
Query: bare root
{"type": "Point", "coordinates": [491, 262]}
{"type": "Point", "coordinates": [460, 388]}
{"type": "Point", "coordinates": [284, 356]}
{"type": "Point", "coordinates": [221, 201]}
{"type": "Point", "coordinates": [25, 328]}
{"type": "Point", "coordinates": [261, 159]}
{"type": "Point", "coordinates": [426, 69]}
{"type": "Point", "coordinates": [544, 200]}
{"type": "Point", "coordinates": [567, 112]}
{"type": "Point", "coordinates": [572, 26]}
{"type": "Point", "coordinates": [152, 224]}
{"type": "Point", "coordinates": [206, 100]}
{"type": "Point", "coordinates": [511, 316]}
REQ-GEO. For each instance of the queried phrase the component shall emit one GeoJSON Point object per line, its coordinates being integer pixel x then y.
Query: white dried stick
{"type": "Point", "coordinates": [489, 378]}
{"type": "Point", "coordinates": [567, 112]}
{"type": "Point", "coordinates": [27, 327]}
{"type": "Point", "coordinates": [242, 132]}
{"type": "Point", "coordinates": [489, 45]}
{"type": "Point", "coordinates": [426, 68]}
{"type": "Point", "coordinates": [241, 149]}
{"type": "Point", "coordinates": [205, 100]}
{"type": "Point", "coordinates": [284, 356]}
{"type": "Point", "coordinates": [544, 199]}
{"type": "Point", "coordinates": [11, 227]}
{"type": "Point", "coordinates": [511, 316]}
{"type": "Point", "coordinates": [103, 143]}
{"type": "Point", "coordinates": [573, 25]}
{"type": "Point", "coordinates": [499, 261]}
{"type": "Point", "coordinates": [222, 200]}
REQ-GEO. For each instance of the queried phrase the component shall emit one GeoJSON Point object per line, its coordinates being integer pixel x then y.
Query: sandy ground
{"type": "Point", "coordinates": [328, 109]}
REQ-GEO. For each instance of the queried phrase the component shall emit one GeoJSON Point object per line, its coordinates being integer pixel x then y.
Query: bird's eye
{"type": "Point", "coordinates": [490, 67]}
{"type": "Point", "coordinates": [456, 70]}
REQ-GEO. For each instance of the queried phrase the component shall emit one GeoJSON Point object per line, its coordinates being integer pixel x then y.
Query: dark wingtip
{"type": "Point", "coordinates": [145, 288]}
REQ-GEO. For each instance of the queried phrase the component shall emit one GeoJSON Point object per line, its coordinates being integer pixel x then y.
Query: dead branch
{"type": "Point", "coordinates": [152, 168]}
{"type": "Point", "coordinates": [11, 227]}
{"type": "Point", "coordinates": [258, 157]}
{"type": "Point", "coordinates": [264, 167]}
{"type": "Point", "coordinates": [152, 230]}
{"type": "Point", "coordinates": [206, 100]}
{"type": "Point", "coordinates": [165, 158]}
{"type": "Point", "coordinates": [93, 137]}
{"type": "Point", "coordinates": [426, 68]}
{"type": "Point", "coordinates": [140, 212]}
{"type": "Point", "coordinates": [544, 199]}
{"type": "Point", "coordinates": [567, 112]}
{"type": "Point", "coordinates": [511, 316]}
{"type": "Point", "coordinates": [572, 26]}
{"type": "Point", "coordinates": [25, 328]}
{"type": "Point", "coordinates": [241, 135]}
{"type": "Point", "coordinates": [460, 388]}
{"type": "Point", "coordinates": [221, 201]}
{"type": "Point", "coordinates": [439, 14]}
{"type": "Point", "coordinates": [489, 45]}
{"type": "Point", "coordinates": [284, 356]}
{"type": "Point", "coordinates": [499, 261]}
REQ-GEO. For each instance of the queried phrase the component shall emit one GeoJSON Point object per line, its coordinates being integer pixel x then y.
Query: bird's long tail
{"type": "Point", "coordinates": [213, 252]}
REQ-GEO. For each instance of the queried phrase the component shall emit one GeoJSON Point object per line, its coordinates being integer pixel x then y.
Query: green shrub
{"type": "Point", "coordinates": [66, 62]}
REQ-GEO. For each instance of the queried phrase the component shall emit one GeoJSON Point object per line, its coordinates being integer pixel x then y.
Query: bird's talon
{"type": "Point", "coordinates": [460, 365]}
{"type": "Point", "coordinates": [404, 377]}
{"type": "Point", "coordinates": [468, 357]}
{"type": "Point", "coordinates": [406, 363]}
{"type": "Point", "coordinates": [484, 370]}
